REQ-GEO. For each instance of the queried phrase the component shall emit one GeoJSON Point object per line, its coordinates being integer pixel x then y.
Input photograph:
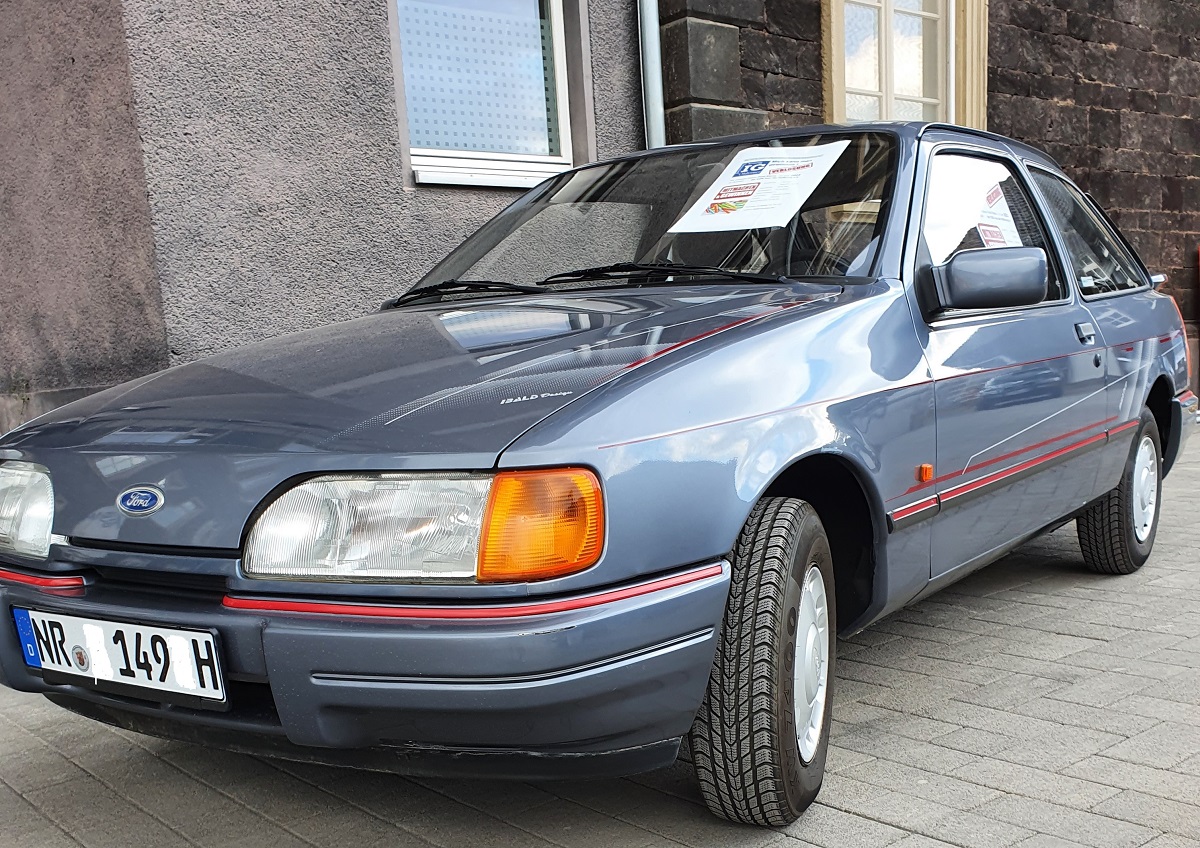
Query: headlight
{"type": "Point", "coordinates": [510, 527]}
{"type": "Point", "coordinates": [26, 509]}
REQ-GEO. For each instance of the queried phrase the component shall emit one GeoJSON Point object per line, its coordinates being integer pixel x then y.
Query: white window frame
{"type": "Point", "coordinates": [486, 168]}
{"type": "Point", "coordinates": [887, 93]}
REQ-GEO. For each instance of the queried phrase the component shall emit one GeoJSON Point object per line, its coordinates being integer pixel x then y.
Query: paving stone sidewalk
{"type": "Point", "coordinates": [1033, 704]}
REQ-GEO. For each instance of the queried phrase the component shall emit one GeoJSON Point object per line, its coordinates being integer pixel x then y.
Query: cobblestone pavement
{"type": "Point", "coordinates": [1033, 704]}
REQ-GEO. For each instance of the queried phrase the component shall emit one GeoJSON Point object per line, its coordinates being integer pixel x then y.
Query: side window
{"type": "Point", "coordinates": [1099, 260]}
{"type": "Point", "coordinates": [976, 203]}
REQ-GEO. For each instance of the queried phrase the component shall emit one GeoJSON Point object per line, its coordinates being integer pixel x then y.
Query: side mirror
{"type": "Point", "coordinates": [997, 278]}
{"type": "Point", "coordinates": [1156, 280]}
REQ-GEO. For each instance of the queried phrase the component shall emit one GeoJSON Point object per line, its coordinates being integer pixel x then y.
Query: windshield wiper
{"type": "Point", "coordinates": [619, 270]}
{"type": "Point", "coordinates": [458, 287]}
{"type": "Point", "coordinates": [623, 271]}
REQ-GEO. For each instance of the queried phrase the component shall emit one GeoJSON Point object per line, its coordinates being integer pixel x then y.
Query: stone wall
{"type": "Point", "coordinates": [1111, 89]}
{"type": "Point", "coordinates": [735, 66]}
{"type": "Point", "coordinates": [79, 303]}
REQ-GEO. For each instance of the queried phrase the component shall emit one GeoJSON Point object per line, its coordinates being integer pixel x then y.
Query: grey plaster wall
{"type": "Point", "coordinates": [79, 305]}
{"type": "Point", "coordinates": [616, 77]}
{"type": "Point", "coordinates": [274, 161]}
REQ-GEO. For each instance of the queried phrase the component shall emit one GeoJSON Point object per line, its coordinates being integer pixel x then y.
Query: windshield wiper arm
{"type": "Point", "coordinates": [622, 269]}
{"type": "Point", "coordinates": [616, 271]}
{"type": "Point", "coordinates": [455, 286]}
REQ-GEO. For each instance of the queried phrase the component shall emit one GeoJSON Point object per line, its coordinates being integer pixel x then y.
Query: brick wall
{"type": "Point", "coordinates": [1111, 90]}
{"type": "Point", "coordinates": [733, 66]}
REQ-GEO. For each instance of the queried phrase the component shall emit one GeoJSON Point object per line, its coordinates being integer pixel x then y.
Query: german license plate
{"type": "Point", "coordinates": [181, 662]}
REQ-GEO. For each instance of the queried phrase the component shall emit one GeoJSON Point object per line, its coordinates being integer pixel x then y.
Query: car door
{"type": "Point", "coordinates": [1117, 292]}
{"type": "Point", "coordinates": [1019, 393]}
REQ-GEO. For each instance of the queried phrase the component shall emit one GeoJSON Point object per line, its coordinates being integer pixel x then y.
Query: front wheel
{"type": "Point", "coordinates": [1116, 534]}
{"type": "Point", "coordinates": [760, 739]}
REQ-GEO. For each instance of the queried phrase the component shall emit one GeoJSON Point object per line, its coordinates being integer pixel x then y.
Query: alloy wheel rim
{"type": "Point", "coordinates": [1145, 489]}
{"type": "Point", "coordinates": [811, 665]}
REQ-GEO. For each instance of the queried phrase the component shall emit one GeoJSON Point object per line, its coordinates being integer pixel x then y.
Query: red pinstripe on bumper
{"type": "Point", "coordinates": [473, 612]}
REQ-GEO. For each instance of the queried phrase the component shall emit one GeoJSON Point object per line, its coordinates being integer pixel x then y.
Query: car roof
{"type": "Point", "coordinates": [910, 131]}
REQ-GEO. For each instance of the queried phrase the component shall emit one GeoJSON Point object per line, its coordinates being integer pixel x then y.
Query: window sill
{"type": "Point", "coordinates": [483, 172]}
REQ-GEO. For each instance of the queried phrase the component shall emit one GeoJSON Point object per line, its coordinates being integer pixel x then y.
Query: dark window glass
{"type": "Point", "coordinates": [1099, 260]}
{"type": "Point", "coordinates": [976, 204]}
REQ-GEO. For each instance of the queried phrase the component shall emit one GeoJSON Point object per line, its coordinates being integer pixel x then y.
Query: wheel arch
{"type": "Point", "coordinates": [1158, 401]}
{"type": "Point", "coordinates": [851, 511]}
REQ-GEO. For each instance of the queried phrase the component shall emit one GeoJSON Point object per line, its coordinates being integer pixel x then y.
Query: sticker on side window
{"type": "Point", "coordinates": [996, 226]}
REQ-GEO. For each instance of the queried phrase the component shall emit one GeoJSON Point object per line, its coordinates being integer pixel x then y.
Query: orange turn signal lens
{"type": "Point", "coordinates": [541, 524]}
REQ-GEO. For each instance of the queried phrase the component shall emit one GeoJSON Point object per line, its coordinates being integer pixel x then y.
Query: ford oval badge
{"type": "Point", "coordinates": [141, 500]}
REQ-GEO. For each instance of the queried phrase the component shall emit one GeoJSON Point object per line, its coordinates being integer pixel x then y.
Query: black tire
{"type": "Point", "coordinates": [744, 741]}
{"type": "Point", "coordinates": [1107, 530]}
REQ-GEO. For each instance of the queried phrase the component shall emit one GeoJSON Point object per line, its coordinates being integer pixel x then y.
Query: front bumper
{"type": "Point", "coordinates": [591, 685]}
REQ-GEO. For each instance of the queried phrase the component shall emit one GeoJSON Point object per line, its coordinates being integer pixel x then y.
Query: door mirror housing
{"type": "Point", "coordinates": [995, 278]}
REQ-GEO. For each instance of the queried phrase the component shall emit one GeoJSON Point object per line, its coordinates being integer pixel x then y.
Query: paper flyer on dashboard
{"type": "Point", "coordinates": [760, 187]}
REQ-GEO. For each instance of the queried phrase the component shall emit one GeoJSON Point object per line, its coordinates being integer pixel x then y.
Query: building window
{"type": "Point", "coordinates": [484, 90]}
{"type": "Point", "coordinates": [894, 58]}
{"type": "Point", "coordinates": [907, 60]}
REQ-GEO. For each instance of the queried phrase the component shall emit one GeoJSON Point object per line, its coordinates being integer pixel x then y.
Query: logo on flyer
{"type": "Point", "coordinates": [724, 207]}
{"type": "Point", "coordinates": [992, 235]}
{"type": "Point", "coordinates": [750, 169]}
{"type": "Point", "coordinates": [736, 192]}
{"type": "Point", "coordinates": [791, 169]}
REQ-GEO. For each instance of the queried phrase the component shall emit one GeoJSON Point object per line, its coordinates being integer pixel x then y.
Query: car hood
{"type": "Point", "coordinates": [444, 386]}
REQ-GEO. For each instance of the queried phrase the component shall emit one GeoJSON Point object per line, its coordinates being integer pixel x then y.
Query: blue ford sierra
{"type": "Point", "coordinates": [615, 473]}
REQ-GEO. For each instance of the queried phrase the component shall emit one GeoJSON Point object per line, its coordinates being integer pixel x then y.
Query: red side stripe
{"type": "Point", "coordinates": [781, 411]}
{"type": "Point", "coordinates": [1126, 345]}
{"type": "Point", "coordinates": [716, 330]}
{"type": "Point", "coordinates": [1124, 427]}
{"type": "Point", "coordinates": [950, 494]}
{"type": "Point", "coordinates": [685, 342]}
{"type": "Point", "coordinates": [1010, 455]}
{"type": "Point", "coordinates": [58, 582]}
{"type": "Point", "coordinates": [905, 512]}
{"type": "Point", "coordinates": [461, 613]}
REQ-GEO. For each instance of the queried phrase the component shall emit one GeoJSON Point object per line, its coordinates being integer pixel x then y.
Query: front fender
{"type": "Point", "coordinates": [686, 449]}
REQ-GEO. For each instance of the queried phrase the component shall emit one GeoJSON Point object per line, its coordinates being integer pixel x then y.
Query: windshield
{"type": "Point", "coordinates": [810, 205]}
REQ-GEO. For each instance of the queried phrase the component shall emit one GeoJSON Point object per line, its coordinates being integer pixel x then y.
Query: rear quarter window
{"type": "Point", "coordinates": [1099, 261]}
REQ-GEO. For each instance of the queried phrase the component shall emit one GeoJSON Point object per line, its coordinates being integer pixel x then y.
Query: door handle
{"type": "Point", "coordinates": [1086, 333]}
